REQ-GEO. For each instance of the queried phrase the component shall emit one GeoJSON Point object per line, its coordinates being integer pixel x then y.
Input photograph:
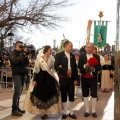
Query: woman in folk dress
{"type": "Point", "coordinates": [106, 80]}
{"type": "Point", "coordinates": [45, 97]}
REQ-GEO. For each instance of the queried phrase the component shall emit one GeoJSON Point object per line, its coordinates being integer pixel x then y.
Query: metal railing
{"type": "Point", "coordinates": [6, 82]}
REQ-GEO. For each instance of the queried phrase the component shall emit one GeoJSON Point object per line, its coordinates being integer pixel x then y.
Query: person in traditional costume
{"type": "Point", "coordinates": [66, 67]}
{"type": "Point", "coordinates": [89, 65]}
{"type": "Point", "coordinates": [44, 96]}
{"type": "Point", "coordinates": [107, 75]}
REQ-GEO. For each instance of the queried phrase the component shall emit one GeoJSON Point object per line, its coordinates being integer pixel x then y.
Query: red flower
{"type": "Point", "coordinates": [93, 61]}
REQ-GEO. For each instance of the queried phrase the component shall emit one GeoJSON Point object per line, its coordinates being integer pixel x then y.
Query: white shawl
{"type": "Point", "coordinates": [45, 66]}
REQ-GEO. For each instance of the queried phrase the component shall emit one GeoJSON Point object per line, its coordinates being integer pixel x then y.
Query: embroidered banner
{"type": "Point", "coordinates": [100, 33]}
{"type": "Point", "coordinates": [61, 46]}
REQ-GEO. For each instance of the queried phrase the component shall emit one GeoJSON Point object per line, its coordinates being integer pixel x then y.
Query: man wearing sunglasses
{"type": "Point", "coordinates": [19, 60]}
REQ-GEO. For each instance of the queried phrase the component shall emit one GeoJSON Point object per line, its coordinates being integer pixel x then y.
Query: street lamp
{"type": "Point", "coordinates": [78, 42]}
{"type": "Point", "coordinates": [1, 42]}
{"type": "Point", "coordinates": [10, 35]}
{"type": "Point", "coordinates": [54, 43]}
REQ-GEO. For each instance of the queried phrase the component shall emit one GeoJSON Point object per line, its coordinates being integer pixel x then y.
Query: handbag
{"type": "Point", "coordinates": [111, 75]}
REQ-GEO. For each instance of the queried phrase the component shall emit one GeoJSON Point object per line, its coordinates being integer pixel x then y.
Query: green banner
{"type": "Point", "coordinates": [61, 46]}
{"type": "Point", "coordinates": [100, 34]}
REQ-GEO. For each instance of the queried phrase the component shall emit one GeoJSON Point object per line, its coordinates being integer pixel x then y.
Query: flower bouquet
{"type": "Point", "coordinates": [92, 62]}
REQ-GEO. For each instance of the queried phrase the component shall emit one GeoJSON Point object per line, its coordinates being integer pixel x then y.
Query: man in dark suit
{"type": "Point", "coordinates": [65, 65]}
{"type": "Point", "coordinates": [89, 79]}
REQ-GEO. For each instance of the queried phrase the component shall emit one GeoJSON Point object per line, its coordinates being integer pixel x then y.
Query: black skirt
{"type": "Point", "coordinates": [47, 91]}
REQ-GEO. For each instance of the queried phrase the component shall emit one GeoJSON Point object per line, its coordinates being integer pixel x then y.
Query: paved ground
{"type": "Point", "coordinates": [105, 108]}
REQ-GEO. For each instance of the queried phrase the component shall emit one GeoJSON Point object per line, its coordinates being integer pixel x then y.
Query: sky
{"type": "Point", "coordinates": [75, 29]}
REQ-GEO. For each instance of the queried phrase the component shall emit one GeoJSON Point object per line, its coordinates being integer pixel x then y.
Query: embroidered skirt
{"type": "Point", "coordinates": [45, 97]}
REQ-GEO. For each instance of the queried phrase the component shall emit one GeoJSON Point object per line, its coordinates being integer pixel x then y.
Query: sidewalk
{"type": "Point", "coordinates": [105, 108]}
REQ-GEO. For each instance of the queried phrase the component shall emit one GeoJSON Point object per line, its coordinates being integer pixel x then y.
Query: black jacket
{"type": "Point", "coordinates": [18, 62]}
{"type": "Point", "coordinates": [61, 59]}
{"type": "Point", "coordinates": [83, 60]}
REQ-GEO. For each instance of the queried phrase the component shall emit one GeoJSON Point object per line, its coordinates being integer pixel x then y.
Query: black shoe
{"type": "Point", "coordinates": [21, 111]}
{"type": "Point", "coordinates": [94, 115]}
{"type": "Point", "coordinates": [64, 116]}
{"type": "Point", "coordinates": [73, 116]}
{"type": "Point", "coordinates": [86, 114]}
{"type": "Point", "coordinates": [16, 113]}
{"type": "Point", "coordinates": [44, 117]}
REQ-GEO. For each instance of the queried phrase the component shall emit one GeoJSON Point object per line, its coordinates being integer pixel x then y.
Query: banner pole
{"type": "Point", "coordinates": [100, 15]}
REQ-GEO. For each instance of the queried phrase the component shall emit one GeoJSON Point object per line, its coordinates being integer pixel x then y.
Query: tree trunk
{"type": "Point", "coordinates": [117, 67]}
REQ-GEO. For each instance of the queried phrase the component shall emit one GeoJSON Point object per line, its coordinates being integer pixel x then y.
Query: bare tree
{"type": "Point", "coordinates": [39, 14]}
